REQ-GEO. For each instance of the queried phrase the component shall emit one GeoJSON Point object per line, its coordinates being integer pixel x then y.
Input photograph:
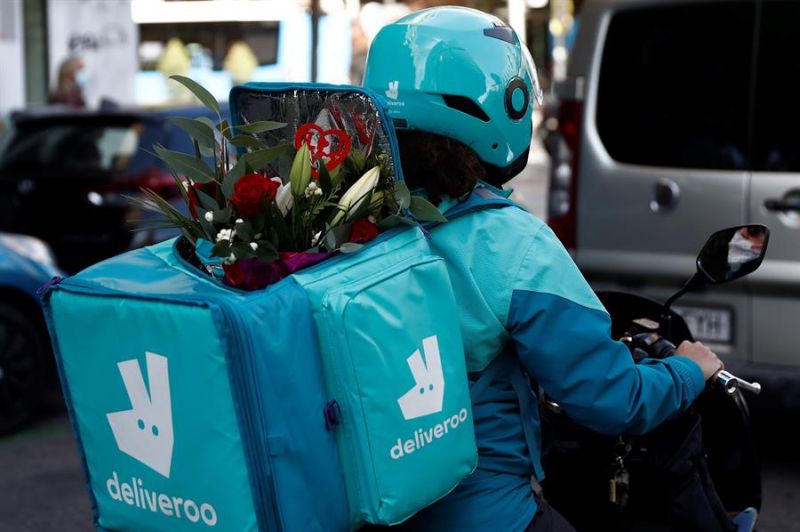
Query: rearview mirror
{"type": "Point", "coordinates": [732, 253]}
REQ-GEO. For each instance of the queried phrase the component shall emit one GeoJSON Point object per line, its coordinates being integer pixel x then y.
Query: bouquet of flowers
{"type": "Point", "coordinates": [252, 226]}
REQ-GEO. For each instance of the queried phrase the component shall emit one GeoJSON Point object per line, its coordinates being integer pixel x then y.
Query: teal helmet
{"type": "Point", "coordinates": [463, 74]}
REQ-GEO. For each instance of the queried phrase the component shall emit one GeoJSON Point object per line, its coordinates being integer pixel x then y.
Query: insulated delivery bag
{"type": "Point", "coordinates": [335, 397]}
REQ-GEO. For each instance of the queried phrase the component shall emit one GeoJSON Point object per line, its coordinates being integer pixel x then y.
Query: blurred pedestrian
{"type": "Point", "coordinates": [71, 81]}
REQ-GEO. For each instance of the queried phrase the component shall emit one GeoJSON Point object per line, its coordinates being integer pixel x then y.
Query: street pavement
{"type": "Point", "coordinates": [42, 487]}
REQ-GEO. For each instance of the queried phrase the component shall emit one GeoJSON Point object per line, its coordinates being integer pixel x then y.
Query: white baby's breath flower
{"type": "Point", "coordinates": [209, 216]}
{"type": "Point", "coordinates": [254, 245]}
{"type": "Point", "coordinates": [239, 221]}
{"type": "Point", "coordinates": [225, 234]}
{"type": "Point", "coordinates": [312, 190]}
{"type": "Point", "coordinates": [230, 259]}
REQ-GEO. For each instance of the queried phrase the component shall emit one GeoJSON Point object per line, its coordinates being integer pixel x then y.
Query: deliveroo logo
{"type": "Point", "coordinates": [427, 394]}
{"type": "Point", "coordinates": [145, 431]}
{"type": "Point", "coordinates": [392, 93]}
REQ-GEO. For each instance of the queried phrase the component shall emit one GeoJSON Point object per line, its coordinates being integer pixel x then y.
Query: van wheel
{"type": "Point", "coordinates": [21, 357]}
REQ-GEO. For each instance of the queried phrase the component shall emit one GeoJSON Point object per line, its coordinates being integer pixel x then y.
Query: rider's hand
{"type": "Point", "coordinates": [703, 356]}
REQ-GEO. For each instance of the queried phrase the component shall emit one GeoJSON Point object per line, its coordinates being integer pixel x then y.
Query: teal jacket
{"type": "Point", "coordinates": [522, 298]}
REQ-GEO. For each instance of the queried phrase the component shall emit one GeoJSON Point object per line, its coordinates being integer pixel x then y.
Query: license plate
{"type": "Point", "coordinates": [708, 324]}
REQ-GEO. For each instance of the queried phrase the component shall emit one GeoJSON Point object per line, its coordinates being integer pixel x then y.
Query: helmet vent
{"type": "Point", "coordinates": [465, 105]}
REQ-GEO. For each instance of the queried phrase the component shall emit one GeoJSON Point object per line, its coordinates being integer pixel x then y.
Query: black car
{"type": "Point", "coordinates": [65, 177]}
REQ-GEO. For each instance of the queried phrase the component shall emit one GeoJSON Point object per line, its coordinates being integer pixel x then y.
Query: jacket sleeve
{"type": "Point", "coordinates": [562, 335]}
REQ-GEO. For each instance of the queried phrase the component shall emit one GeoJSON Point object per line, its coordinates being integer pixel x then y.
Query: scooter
{"type": "Point", "coordinates": [697, 472]}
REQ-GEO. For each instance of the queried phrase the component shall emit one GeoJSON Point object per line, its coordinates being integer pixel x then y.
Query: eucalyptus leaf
{"type": "Point", "coordinates": [246, 141]}
{"type": "Point", "coordinates": [389, 222]}
{"type": "Point", "coordinates": [424, 210]}
{"type": "Point", "coordinates": [245, 231]}
{"type": "Point", "coordinates": [233, 175]}
{"type": "Point", "coordinates": [258, 160]}
{"type": "Point", "coordinates": [199, 91]}
{"type": "Point", "coordinates": [350, 247]}
{"type": "Point", "coordinates": [222, 216]}
{"type": "Point", "coordinates": [206, 201]}
{"type": "Point", "coordinates": [198, 130]}
{"type": "Point", "coordinates": [242, 250]}
{"type": "Point", "coordinates": [192, 167]}
{"type": "Point", "coordinates": [402, 194]}
{"type": "Point", "coordinates": [260, 127]}
{"type": "Point", "coordinates": [221, 249]}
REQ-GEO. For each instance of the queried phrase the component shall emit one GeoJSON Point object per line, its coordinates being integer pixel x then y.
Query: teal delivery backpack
{"type": "Point", "coordinates": [335, 397]}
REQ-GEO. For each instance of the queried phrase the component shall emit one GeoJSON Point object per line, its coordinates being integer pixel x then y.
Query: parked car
{"type": "Point", "coordinates": [27, 376]}
{"type": "Point", "coordinates": [678, 118]}
{"type": "Point", "coordinates": [65, 177]}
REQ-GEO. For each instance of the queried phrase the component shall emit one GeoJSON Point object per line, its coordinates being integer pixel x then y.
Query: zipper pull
{"type": "Point", "coordinates": [46, 287]}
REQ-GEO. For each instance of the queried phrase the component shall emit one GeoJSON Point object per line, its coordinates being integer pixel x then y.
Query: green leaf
{"type": "Point", "coordinates": [425, 210]}
{"type": "Point", "coordinates": [300, 175]}
{"type": "Point", "coordinates": [325, 181]}
{"type": "Point", "coordinates": [258, 160]}
{"type": "Point", "coordinates": [260, 127]}
{"type": "Point", "coordinates": [389, 222]}
{"type": "Point", "coordinates": [266, 252]}
{"type": "Point", "coordinates": [402, 194]}
{"type": "Point", "coordinates": [198, 131]}
{"type": "Point", "coordinates": [199, 91]}
{"type": "Point", "coordinates": [278, 225]}
{"type": "Point", "coordinates": [242, 250]}
{"type": "Point", "coordinates": [358, 161]}
{"type": "Point", "coordinates": [246, 141]}
{"type": "Point", "coordinates": [245, 231]}
{"type": "Point", "coordinates": [350, 247]}
{"type": "Point", "coordinates": [225, 129]}
{"type": "Point", "coordinates": [233, 175]}
{"type": "Point", "coordinates": [192, 167]}
{"type": "Point", "coordinates": [206, 201]}
{"type": "Point", "coordinates": [222, 216]}
{"type": "Point", "coordinates": [221, 249]}
{"type": "Point", "coordinates": [336, 235]}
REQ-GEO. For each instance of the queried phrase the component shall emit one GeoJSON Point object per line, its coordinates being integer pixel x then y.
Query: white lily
{"type": "Point", "coordinates": [357, 194]}
{"type": "Point", "coordinates": [284, 199]}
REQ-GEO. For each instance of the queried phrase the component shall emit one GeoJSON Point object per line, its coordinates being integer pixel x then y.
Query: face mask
{"type": "Point", "coordinates": [81, 78]}
{"type": "Point", "coordinates": [740, 250]}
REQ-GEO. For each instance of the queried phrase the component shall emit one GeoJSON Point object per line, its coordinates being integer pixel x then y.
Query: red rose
{"type": "Point", "coordinates": [210, 188]}
{"type": "Point", "coordinates": [363, 231]}
{"type": "Point", "coordinates": [251, 192]}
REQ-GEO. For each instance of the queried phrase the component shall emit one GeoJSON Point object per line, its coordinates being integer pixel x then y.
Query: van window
{"type": "Point", "coordinates": [776, 146]}
{"type": "Point", "coordinates": [674, 85]}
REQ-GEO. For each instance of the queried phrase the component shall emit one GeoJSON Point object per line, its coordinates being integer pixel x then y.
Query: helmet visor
{"type": "Point", "coordinates": [537, 95]}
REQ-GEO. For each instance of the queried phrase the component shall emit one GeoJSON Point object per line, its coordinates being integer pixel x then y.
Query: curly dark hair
{"type": "Point", "coordinates": [440, 165]}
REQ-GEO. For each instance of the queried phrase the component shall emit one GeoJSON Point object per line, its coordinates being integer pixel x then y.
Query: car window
{"type": "Point", "coordinates": [674, 84]}
{"type": "Point", "coordinates": [72, 147]}
{"type": "Point", "coordinates": [776, 145]}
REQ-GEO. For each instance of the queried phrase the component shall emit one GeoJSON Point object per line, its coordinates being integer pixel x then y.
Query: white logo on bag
{"type": "Point", "coordinates": [145, 431]}
{"type": "Point", "coordinates": [427, 395]}
{"type": "Point", "coordinates": [392, 92]}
